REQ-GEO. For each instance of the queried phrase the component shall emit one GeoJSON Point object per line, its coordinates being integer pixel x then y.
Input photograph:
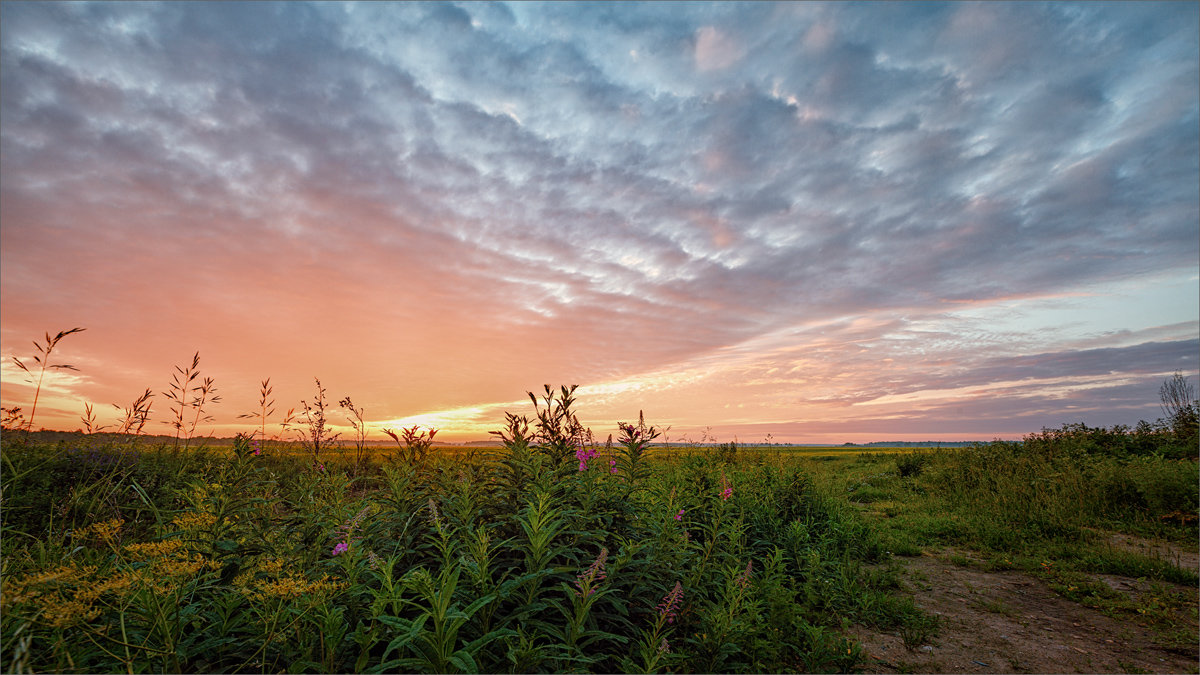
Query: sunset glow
{"type": "Point", "coordinates": [809, 222]}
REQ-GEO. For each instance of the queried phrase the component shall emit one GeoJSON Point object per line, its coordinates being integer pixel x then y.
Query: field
{"type": "Point", "coordinates": [547, 554]}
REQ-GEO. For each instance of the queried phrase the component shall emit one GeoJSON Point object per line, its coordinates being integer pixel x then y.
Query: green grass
{"type": "Point", "coordinates": [119, 556]}
{"type": "Point", "coordinates": [1049, 509]}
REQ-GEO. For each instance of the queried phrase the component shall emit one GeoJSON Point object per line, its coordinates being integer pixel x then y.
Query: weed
{"type": "Point", "coordinates": [355, 417]}
{"type": "Point", "coordinates": [911, 464]}
{"type": "Point", "coordinates": [186, 398]}
{"type": "Point", "coordinates": [43, 359]}
{"type": "Point", "coordinates": [318, 436]}
{"type": "Point", "coordinates": [135, 416]}
{"type": "Point", "coordinates": [266, 408]}
{"type": "Point", "coordinates": [413, 445]}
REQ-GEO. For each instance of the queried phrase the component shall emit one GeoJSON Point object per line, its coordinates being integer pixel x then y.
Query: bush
{"type": "Point", "coordinates": [911, 463]}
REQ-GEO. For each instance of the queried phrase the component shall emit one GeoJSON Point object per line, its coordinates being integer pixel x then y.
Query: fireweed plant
{"type": "Point", "coordinates": [539, 559]}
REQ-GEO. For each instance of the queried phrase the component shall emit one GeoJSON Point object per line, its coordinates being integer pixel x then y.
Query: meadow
{"type": "Point", "coordinates": [554, 553]}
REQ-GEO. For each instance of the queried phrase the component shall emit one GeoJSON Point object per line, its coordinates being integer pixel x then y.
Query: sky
{"type": "Point", "coordinates": [799, 222]}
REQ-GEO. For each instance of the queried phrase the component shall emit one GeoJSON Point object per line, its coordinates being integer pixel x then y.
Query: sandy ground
{"type": "Point", "coordinates": [1010, 622]}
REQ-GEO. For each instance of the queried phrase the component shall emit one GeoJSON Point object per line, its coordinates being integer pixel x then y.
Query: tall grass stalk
{"type": "Point", "coordinates": [43, 359]}
{"type": "Point", "coordinates": [266, 408]}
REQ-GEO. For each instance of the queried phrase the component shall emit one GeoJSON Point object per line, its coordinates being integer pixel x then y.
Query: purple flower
{"type": "Point", "coordinates": [679, 516]}
{"type": "Point", "coordinates": [342, 547]}
{"type": "Point", "coordinates": [583, 454]}
{"type": "Point", "coordinates": [669, 607]}
{"type": "Point", "coordinates": [593, 575]}
{"type": "Point", "coordinates": [728, 491]}
{"type": "Point", "coordinates": [612, 463]}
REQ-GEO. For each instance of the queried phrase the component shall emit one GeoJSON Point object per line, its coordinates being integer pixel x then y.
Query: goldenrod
{"type": "Point", "coordinates": [151, 550]}
{"type": "Point", "coordinates": [103, 531]}
{"type": "Point", "coordinates": [193, 520]}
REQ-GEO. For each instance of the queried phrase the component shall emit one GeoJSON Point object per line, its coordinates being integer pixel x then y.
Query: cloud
{"type": "Point", "coordinates": [715, 50]}
{"type": "Point", "coordinates": [486, 193]}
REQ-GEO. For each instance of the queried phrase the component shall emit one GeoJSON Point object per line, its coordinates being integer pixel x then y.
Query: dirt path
{"type": "Point", "coordinates": [1010, 622]}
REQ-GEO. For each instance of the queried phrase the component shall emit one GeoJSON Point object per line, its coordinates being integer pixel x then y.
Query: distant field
{"type": "Point", "coordinates": [660, 451]}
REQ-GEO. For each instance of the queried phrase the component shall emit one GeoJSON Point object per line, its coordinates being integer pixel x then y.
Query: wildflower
{"type": "Point", "coordinates": [351, 525]}
{"type": "Point", "coordinates": [743, 579]}
{"type": "Point", "coordinates": [254, 446]}
{"type": "Point", "coordinates": [631, 432]}
{"type": "Point", "coordinates": [151, 550]}
{"type": "Point", "coordinates": [342, 547]}
{"type": "Point", "coordinates": [679, 516]}
{"type": "Point", "coordinates": [433, 514]}
{"type": "Point", "coordinates": [612, 465]}
{"type": "Point", "coordinates": [583, 454]}
{"type": "Point", "coordinates": [193, 520]}
{"type": "Point", "coordinates": [669, 607]}
{"type": "Point", "coordinates": [593, 575]}
{"type": "Point", "coordinates": [375, 561]}
{"type": "Point", "coordinates": [103, 531]}
{"type": "Point", "coordinates": [727, 492]}
{"type": "Point", "coordinates": [664, 648]}
{"type": "Point", "coordinates": [293, 586]}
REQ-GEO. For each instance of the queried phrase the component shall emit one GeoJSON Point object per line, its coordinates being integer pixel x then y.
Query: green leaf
{"type": "Point", "coordinates": [411, 630]}
{"type": "Point", "coordinates": [463, 661]}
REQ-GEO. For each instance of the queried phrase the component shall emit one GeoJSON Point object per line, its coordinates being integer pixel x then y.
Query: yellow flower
{"type": "Point", "coordinates": [103, 531]}
{"type": "Point", "coordinates": [63, 613]}
{"type": "Point", "coordinates": [293, 586]}
{"type": "Point", "coordinates": [61, 596]}
{"type": "Point", "coordinates": [193, 520]}
{"type": "Point", "coordinates": [153, 549]}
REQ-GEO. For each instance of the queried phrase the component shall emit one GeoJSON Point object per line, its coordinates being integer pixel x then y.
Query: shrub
{"type": "Point", "coordinates": [911, 463]}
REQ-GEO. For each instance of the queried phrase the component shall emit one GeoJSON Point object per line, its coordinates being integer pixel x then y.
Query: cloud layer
{"type": "Point", "coordinates": [795, 208]}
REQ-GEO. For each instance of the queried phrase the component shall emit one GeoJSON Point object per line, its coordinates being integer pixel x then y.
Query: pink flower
{"type": "Point", "coordinates": [583, 455]}
{"type": "Point", "coordinates": [669, 606]}
{"type": "Point", "coordinates": [679, 516]}
{"type": "Point", "coordinates": [728, 491]}
{"type": "Point", "coordinates": [612, 463]}
{"type": "Point", "coordinates": [593, 575]}
{"type": "Point", "coordinates": [342, 547]}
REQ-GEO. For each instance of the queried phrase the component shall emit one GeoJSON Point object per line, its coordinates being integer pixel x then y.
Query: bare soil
{"type": "Point", "coordinates": [1011, 622]}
